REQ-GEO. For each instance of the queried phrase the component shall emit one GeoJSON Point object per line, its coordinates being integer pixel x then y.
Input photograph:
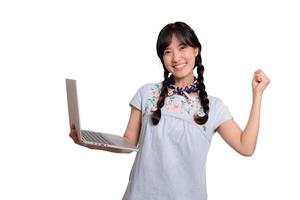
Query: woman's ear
{"type": "Point", "coordinates": [196, 51]}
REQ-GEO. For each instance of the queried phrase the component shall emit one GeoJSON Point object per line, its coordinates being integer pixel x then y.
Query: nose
{"type": "Point", "coordinates": [176, 56]}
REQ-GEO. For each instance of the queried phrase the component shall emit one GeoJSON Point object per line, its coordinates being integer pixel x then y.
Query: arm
{"type": "Point", "coordinates": [244, 142]}
{"type": "Point", "coordinates": [132, 133]}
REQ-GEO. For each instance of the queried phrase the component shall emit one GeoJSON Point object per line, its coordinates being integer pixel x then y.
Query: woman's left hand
{"type": "Point", "coordinates": [259, 82]}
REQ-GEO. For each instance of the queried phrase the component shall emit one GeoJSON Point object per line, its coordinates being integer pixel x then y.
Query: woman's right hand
{"type": "Point", "coordinates": [73, 135]}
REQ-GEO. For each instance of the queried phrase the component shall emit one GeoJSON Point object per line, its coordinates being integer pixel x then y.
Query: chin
{"type": "Point", "coordinates": [180, 75]}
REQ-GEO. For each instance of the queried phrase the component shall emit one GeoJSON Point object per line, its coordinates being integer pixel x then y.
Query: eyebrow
{"type": "Point", "coordinates": [178, 45]}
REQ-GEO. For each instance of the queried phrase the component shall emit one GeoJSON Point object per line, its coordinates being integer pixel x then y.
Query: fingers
{"type": "Point", "coordinates": [259, 82]}
{"type": "Point", "coordinates": [73, 134]}
{"type": "Point", "coordinates": [260, 76]}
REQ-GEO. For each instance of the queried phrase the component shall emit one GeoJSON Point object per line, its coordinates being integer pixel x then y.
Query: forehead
{"type": "Point", "coordinates": [176, 41]}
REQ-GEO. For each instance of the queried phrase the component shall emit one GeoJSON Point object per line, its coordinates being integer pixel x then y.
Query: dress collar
{"type": "Point", "coordinates": [182, 90]}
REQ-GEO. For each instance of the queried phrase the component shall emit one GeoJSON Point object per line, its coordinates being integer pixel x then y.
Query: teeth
{"type": "Point", "coordinates": [179, 66]}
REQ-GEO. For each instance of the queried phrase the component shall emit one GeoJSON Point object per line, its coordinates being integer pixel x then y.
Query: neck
{"type": "Point", "coordinates": [181, 83]}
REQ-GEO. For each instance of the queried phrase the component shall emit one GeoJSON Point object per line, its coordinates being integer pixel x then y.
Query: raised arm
{"type": "Point", "coordinates": [244, 141]}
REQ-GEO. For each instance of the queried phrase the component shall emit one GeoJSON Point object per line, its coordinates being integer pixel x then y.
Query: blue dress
{"type": "Point", "coordinates": [170, 163]}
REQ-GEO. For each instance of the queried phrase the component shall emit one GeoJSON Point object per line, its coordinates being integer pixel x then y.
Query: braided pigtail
{"type": "Point", "coordinates": [161, 100]}
{"type": "Point", "coordinates": [202, 93]}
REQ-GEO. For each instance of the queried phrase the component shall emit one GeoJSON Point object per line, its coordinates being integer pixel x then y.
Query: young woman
{"type": "Point", "coordinates": [174, 121]}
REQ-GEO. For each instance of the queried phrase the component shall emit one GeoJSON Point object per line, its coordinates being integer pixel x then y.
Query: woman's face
{"type": "Point", "coordinates": [179, 59]}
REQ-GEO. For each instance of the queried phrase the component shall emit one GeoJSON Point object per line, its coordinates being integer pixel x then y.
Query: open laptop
{"type": "Point", "coordinates": [91, 137]}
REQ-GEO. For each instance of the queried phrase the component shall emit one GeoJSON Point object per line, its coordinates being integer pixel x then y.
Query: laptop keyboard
{"type": "Point", "coordinates": [95, 137]}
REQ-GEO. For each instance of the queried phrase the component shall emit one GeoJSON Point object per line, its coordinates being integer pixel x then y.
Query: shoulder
{"type": "Point", "coordinates": [156, 85]}
{"type": "Point", "coordinates": [213, 100]}
{"type": "Point", "coordinates": [217, 107]}
{"type": "Point", "coordinates": [216, 103]}
{"type": "Point", "coordinates": [218, 112]}
{"type": "Point", "coordinates": [146, 96]}
{"type": "Point", "coordinates": [149, 88]}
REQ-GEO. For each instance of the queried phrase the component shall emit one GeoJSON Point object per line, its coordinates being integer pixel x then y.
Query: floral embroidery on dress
{"type": "Point", "coordinates": [152, 100]}
{"type": "Point", "coordinates": [176, 104]}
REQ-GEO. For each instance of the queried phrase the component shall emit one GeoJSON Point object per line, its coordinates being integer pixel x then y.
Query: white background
{"type": "Point", "coordinates": [109, 47]}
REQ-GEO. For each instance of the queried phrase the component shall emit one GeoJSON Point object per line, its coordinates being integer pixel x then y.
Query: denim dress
{"type": "Point", "coordinates": [170, 163]}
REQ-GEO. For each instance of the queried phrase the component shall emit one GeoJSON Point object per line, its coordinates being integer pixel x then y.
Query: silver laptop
{"type": "Point", "coordinates": [91, 137]}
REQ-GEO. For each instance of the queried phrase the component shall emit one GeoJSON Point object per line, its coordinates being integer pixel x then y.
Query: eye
{"type": "Point", "coordinates": [182, 47]}
{"type": "Point", "coordinates": [167, 52]}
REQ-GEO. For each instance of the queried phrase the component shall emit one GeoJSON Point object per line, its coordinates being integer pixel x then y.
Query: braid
{"type": "Point", "coordinates": [161, 100]}
{"type": "Point", "coordinates": [202, 93]}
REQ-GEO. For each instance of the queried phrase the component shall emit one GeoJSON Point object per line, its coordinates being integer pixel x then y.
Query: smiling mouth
{"type": "Point", "coordinates": [179, 66]}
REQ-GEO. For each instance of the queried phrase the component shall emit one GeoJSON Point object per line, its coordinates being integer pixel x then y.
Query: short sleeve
{"type": "Point", "coordinates": [137, 100]}
{"type": "Point", "coordinates": [221, 113]}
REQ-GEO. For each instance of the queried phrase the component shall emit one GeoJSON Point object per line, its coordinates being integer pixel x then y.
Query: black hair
{"type": "Point", "coordinates": [185, 34]}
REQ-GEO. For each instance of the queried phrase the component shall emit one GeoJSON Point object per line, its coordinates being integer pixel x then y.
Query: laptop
{"type": "Point", "coordinates": [91, 137]}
